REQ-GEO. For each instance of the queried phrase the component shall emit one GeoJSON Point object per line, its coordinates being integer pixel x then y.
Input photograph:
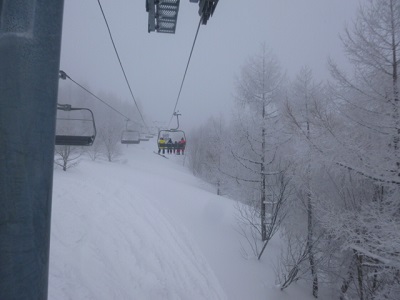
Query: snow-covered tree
{"type": "Point", "coordinates": [364, 146]}
{"type": "Point", "coordinates": [110, 136]}
{"type": "Point", "coordinates": [302, 107]}
{"type": "Point", "coordinates": [67, 156]}
{"type": "Point", "coordinates": [256, 139]}
{"type": "Point", "coordinates": [207, 152]}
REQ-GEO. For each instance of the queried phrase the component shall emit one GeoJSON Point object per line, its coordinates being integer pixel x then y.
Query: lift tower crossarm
{"type": "Point", "coordinates": [163, 15]}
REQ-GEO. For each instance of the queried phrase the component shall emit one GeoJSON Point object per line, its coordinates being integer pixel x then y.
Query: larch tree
{"type": "Point", "coordinates": [367, 147]}
{"type": "Point", "coordinates": [256, 140]}
{"type": "Point", "coordinates": [207, 152]}
{"type": "Point", "coordinates": [370, 99]}
{"type": "Point", "coordinates": [302, 105]}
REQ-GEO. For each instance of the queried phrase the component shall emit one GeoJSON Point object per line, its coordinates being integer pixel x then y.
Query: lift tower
{"type": "Point", "coordinates": [30, 41]}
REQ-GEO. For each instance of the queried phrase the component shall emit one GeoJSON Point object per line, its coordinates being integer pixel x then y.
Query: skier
{"type": "Point", "coordinates": [161, 144]}
{"type": "Point", "coordinates": [169, 146]}
{"type": "Point", "coordinates": [181, 146]}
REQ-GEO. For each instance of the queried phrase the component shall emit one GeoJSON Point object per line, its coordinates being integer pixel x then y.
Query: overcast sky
{"type": "Point", "coordinates": [299, 32]}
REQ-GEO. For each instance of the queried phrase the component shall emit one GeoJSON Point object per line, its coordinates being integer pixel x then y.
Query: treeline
{"type": "Point", "coordinates": [318, 161]}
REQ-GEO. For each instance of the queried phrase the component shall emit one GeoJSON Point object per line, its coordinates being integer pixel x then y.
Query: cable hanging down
{"type": "Point", "coordinates": [184, 75]}
{"type": "Point", "coordinates": [64, 76]}
{"type": "Point", "coordinates": [120, 63]}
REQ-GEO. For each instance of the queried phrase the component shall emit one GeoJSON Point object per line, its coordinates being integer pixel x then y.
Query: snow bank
{"type": "Point", "coordinates": [144, 228]}
{"type": "Point", "coordinates": [109, 241]}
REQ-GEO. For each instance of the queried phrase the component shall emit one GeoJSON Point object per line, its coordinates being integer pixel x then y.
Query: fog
{"type": "Point", "coordinates": [299, 33]}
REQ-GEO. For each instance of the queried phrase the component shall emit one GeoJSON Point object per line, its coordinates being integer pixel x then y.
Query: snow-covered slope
{"type": "Point", "coordinates": [144, 228]}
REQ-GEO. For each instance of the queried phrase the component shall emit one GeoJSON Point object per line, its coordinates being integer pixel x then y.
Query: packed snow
{"type": "Point", "coordinates": [143, 227]}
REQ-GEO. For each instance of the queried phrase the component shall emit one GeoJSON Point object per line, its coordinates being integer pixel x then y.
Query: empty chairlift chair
{"type": "Point", "coordinates": [75, 126]}
{"type": "Point", "coordinates": [130, 137]}
{"type": "Point", "coordinates": [143, 137]}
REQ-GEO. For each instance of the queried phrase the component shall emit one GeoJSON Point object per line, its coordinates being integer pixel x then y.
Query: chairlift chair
{"type": "Point", "coordinates": [72, 139]}
{"type": "Point", "coordinates": [143, 137]}
{"type": "Point", "coordinates": [130, 137]}
{"type": "Point", "coordinates": [174, 134]}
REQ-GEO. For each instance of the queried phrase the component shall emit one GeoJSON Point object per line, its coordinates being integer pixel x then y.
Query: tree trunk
{"type": "Point", "coordinates": [346, 282]}
{"type": "Point", "coordinates": [396, 117]}
{"type": "Point", "coordinates": [263, 180]}
{"type": "Point", "coordinates": [310, 216]}
{"type": "Point", "coordinates": [310, 249]}
{"type": "Point", "coordinates": [360, 276]}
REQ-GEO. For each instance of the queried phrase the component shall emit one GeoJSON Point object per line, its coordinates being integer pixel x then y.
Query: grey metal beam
{"type": "Point", "coordinates": [151, 10]}
{"type": "Point", "coordinates": [163, 15]}
{"type": "Point", "coordinates": [30, 41]}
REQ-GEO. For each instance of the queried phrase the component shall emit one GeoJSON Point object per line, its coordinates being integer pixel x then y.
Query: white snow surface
{"type": "Point", "coordinates": [143, 227]}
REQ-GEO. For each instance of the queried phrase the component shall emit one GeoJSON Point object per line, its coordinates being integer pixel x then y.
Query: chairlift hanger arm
{"type": "Point", "coordinates": [68, 107]}
{"type": "Point", "coordinates": [64, 107]}
{"type": "Point", "coordinates": [177, 119]}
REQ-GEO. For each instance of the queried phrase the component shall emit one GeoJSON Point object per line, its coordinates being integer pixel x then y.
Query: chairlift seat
{"type": "Point", "coordinates": [172, 146]}
{"type": "Point", "coordinates": [130, 142]}
{"type": "Point", "coordinates": [70, 140]}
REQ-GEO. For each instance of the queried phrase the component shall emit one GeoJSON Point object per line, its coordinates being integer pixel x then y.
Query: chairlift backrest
{"type": "Point", "coordinates": [143, 137]}
{"type": "Point", "coordinates": [130, 137]}
{"type": "Point", "coordinates": [173, 134]}
{"type": "Point", "coordinates": [70, 138]}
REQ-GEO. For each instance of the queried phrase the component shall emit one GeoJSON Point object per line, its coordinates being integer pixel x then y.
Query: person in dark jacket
{"type": "Point", "coordinates": [169, 146]}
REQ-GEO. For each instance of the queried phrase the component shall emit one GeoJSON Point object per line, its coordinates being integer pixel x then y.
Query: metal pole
{"type": "Point", "coordinates": [30, 42]}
